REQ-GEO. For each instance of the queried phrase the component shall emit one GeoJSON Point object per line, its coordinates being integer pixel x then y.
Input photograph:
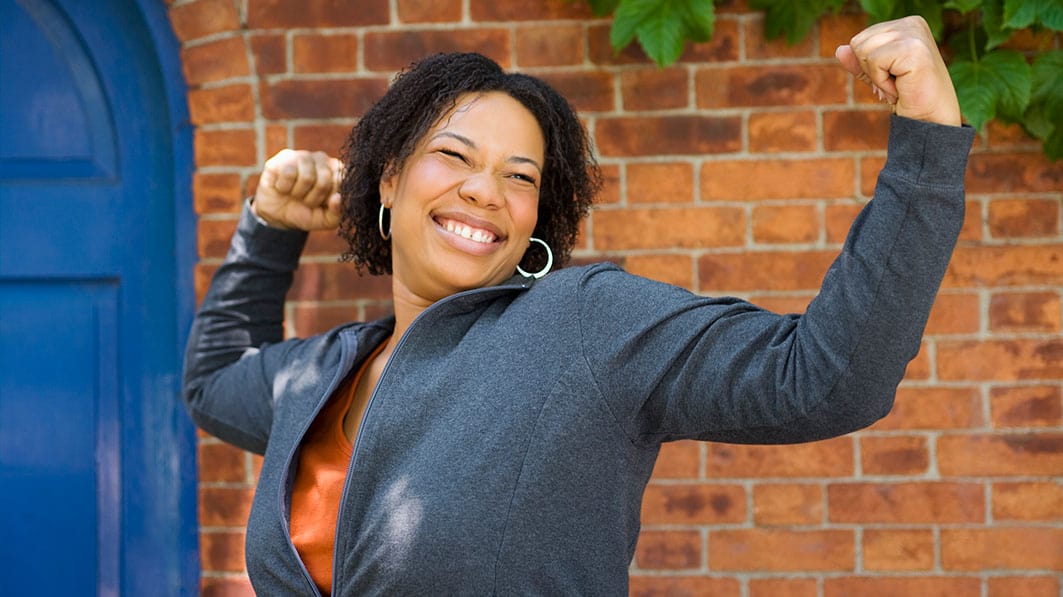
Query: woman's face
{"type": "Point", "coordinates": [465, 203]}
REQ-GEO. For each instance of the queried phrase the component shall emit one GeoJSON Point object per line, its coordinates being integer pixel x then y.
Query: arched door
{"type": "Point", "coordinates": [95, 456]}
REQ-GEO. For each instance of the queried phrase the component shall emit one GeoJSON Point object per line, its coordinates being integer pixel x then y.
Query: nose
{"type": "Point", "coordinates": [482, 189]}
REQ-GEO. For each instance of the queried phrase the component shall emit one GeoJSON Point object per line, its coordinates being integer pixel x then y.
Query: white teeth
{"type": "Point", "coordinates": [475, 235]}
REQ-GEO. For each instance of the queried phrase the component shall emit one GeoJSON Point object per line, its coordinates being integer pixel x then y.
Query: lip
{"type": "Point", "coordinates": [464, 244]}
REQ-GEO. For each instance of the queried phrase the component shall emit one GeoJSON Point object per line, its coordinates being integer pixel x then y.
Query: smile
{"type": "Point", "coordinates": [467, 232]}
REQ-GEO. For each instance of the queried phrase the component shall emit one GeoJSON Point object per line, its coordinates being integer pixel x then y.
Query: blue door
{"type": "Point", "coordinates": [96, 463]}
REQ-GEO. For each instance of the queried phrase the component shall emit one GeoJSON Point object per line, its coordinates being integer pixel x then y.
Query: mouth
{"type": "Point", "coordinates": [477, 233]}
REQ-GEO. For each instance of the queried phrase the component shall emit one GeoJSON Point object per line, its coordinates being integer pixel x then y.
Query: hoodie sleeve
{"type": "Point", "coordinates": [674, 365]}
{"type": "Point", "coordinates": [235, 345]}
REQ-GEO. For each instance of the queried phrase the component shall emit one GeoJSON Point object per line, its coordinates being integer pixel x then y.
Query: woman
{"type": "Point", "coordinates": [496, 434]}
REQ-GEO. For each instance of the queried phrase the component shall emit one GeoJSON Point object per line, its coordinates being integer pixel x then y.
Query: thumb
{"type": "Point", "coordinates": [848, 59]}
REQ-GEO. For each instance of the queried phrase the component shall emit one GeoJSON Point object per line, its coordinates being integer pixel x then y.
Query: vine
{"type": "Point", "coordinates": [992, 81]}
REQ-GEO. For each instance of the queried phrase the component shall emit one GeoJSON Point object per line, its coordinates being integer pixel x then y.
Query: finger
{"type": "Point", "coordinates": [323, 180]}
{"type": "Point", "coordinates": [848, 60]}
{"type": "Point", "coordinates": [337, 174]}
{"type": "Point", "coordinates": [306, 177]}
{"type": "Point", "coordinates": [281, 171]}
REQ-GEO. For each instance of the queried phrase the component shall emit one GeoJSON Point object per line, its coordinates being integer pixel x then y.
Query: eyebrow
{"type": "Point", "coordinates": [469, 142]}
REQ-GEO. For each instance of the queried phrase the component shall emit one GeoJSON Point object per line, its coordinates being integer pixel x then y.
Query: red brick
{"type": "Point", "coordinates": [1000, 360]}
{"type": "Point", "coordinates": [226, 587]}
{"type": "Point", "coordinates": [492, 10]}
{"type": "Point", "coordinates": [771, 132]}
{"type": "Point", "coordinates": [723, 47]}
{"type": "Point", "coordinates": [224, 506]}
{"type": "Point", "coordinates": [1024, 218]}
{"type": "Point", "coordinates": [346, 98]}
{"type": "Point", "coordinates": [839, 218]}
{"type": "Point", "coordinates": [221, 551]}
{"type": "Point", "coordinates": [1013, 173]}
{"type": "Point", "coordinates": [1013, 265]}
{"type": "Point", "coordinates": [898, 550]}
{"type": "Point", "coordinates": [670, 268]}
{"type": "Point", "coordinates": [782, 303]}
{"type": "Point", "coordinates": [783, 587]}
{"type": "Point", "coordinates": [1026, 406]}
{"type": "Point", "coordinates": [855, 130]}
{"type": "Point", "coordinates": [668, 135]}
{"type": "Point", "coordinates": [429, 11]}
{"type": "Point", "coordinates": [668, 550]}
{"type": "Point", "coordinates": [780, 550]}
{"type": "Point", "coordinates": [894, 455]}
{"type": "Point", "coordinates": [215, 61]}
{"type": "Point", "coordinates": [837, 29]}
{"type": "Point", "coordinates": [692, 227]}
{"type": "Point", "coordinates": [1024, 312]}
{"type": "Point", "coordinates": [337, 281]}
{"type": "Point", "coordinates": [276, 140]}
{"type": "Point", "coordinates": [319, 53]}
{"type": "Point", "coordinates": [972, 222]}
{"type": "Point", "coordinates": [586, 91]}
{"type": "Point", "coordinates": [829, 458]}
{"type": "Point", "coordinates": [202, 18]}
{"type": "Point", "coordinates": [869, 169]}
{"type": "Point", "coordinates": [394, 50]}
{"type": "Point", "coordinates": [291, 14]}
{"type": "Point", "coordinates": [1028, 500]}
{"type": "Point", "coordinates": [911, 502]}
{"type": "Point", "coordinates": [779, 504]}
{"type": "Point", "coordinates": [678, 460]}
{"type": "Point", "coordinates": [775, 224]}
{"type": "Point", "coordinates": [549, 45]}
{"type": "Point", "coordinates": [683, 586]}
{"type": "Point", "coordinates": [885, 586]}
{"type": "Point", "coordinates": [216, 193]}
{"type": "Point", "coordinates": [693, 504]}
{"type": "Point", "coordinates": [955, 313]}
{"type": "Point", "coordinates": [763, 270]}
{"type": "Point", "coordinates": [734, 180]}
{"type": "Point", "coordinates": [934, 408]}
{"type": "Point", "coordinates": [325, 243]}
{"type": "Point", "coordinates": [329, 138]}
{"type": "Point", "coordinates": [759, 47]}
{"type": "Point", "coordinates": [270, 52]}
{"type": "Point", "coordinates": [919, 367]}
{"type": "Point", "coordinates": [776, 85]}
{"type": "Point", "coordinates": [610, 191]}
{"type": "Point", "coordinates": [228, 147]}
{"type": "Point", "coordinates": [1014, 454]}
{"type": "Point", "coordinates": [653, 88]}
{"type": "Point", "coordinates": [1026, 586]}
{"type": "Point", "coordinates": [660, 182]}
{"type": "Point", "coordinates": [221, 463]}
{"type": "Point", "coordinates": [1002, 134]}
{"type": "Point", "coordinates": [316, 319]}
{"type": "Point", "coordinates": [1020, 548]}
{"type": "Point", "coordinates": [229, 103]}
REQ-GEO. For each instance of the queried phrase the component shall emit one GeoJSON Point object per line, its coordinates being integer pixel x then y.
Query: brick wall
{"type": "Point", "coordinates": [736, 171]}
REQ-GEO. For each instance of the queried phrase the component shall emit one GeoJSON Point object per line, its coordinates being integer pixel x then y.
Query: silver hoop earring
{"type": "Point", "coordinates": [549, 261]}
{"type": "Point", "coordinates": [380, 224]}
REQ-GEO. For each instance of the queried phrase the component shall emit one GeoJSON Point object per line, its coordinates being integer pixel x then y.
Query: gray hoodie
{"type": "Point", "coordinates": [507, 444]}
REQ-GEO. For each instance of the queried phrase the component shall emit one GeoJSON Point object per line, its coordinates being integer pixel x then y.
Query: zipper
{"type": "Point", "coordinates": [524, 284]}
{"type": "Point", "coordinates": [345, 354]}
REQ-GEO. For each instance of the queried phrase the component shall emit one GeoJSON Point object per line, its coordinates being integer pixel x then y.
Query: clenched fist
{"type": "Point", "coordinates": [299, 189]}
{"type": "Point", "coordinates": [901, 62]}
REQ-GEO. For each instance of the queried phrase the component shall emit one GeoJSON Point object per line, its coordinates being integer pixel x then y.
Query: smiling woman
{"type": "Point", "coordinates": [495, 435]}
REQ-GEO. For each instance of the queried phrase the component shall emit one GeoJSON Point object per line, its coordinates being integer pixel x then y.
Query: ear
{"type": "Point", "coordinates": [388, 186]}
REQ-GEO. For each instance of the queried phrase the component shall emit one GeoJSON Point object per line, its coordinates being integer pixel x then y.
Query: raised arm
{"type": "Point", "coordinates": [235, 342]}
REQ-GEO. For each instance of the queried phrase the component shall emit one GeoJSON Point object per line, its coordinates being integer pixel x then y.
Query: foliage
{"type": "Point", "coordinates": [991, 81]}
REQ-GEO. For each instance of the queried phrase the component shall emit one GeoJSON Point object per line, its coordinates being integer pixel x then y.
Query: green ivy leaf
{"type": "Point", "coordinates": [601, 8]}
{"type": "Point", "coordinates": [1019, 14]}
{"type": "Point", "coordinates": [999, 83]}
{"type": "Point", "coordinates": [792, 17]}
{"type": "Point", "coordinates": [886, 10]}
{"type": "Point", "coordinates": [964, 6]}
{"type": "Point", "coordinates": [1044, 116]}
{"type": "Point", "coordinates": [662, 26]}
{"type": "Point", "coordinates": [993, 23]}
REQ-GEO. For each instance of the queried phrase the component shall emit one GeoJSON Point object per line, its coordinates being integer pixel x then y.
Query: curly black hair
{"type": "Point", "coordinates": [422, 94]}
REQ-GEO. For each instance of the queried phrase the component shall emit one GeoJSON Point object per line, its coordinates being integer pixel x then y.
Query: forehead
{"type": "Point", "coordinates": [495, 113]}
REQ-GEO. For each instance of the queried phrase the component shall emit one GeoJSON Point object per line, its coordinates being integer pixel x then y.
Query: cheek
{"type": "Point", "coordinates": [524, 209]}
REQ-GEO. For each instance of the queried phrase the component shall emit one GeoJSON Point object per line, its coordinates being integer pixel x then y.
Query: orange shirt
{"type": "Point", "coordinates": [321, 472]}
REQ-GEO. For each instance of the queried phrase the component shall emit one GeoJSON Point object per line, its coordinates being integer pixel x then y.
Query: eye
{"type": "Point", "coordinates": [524, 178]}
{"type": "Point", "coordinates": [453, 154]}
